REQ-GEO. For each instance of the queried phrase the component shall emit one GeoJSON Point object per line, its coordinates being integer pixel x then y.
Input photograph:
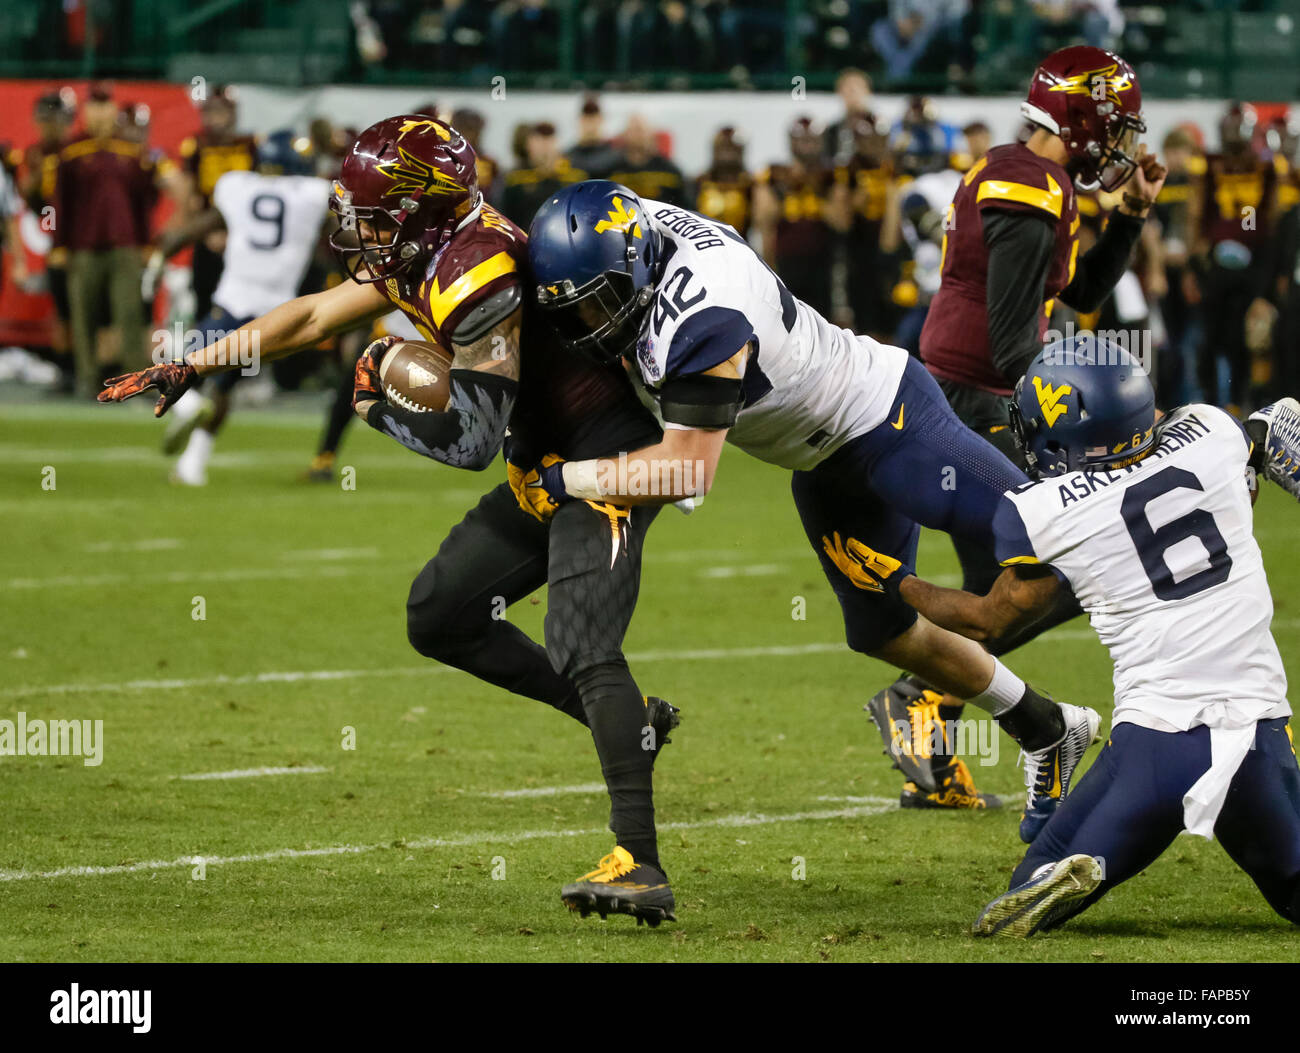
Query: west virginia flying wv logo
{"type": "Point", "coordinates": [1050, 400]}
{"type": "Point", "coordinates": [1094, 81]}
{"type": "Point", "coordinates": [620, 218]}
{"type": "Point", "coordinates": [410, 175]}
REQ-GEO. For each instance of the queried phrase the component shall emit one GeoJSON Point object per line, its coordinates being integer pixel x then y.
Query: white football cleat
{"type": "Point", "coordinates": [1048, 772]}
{"type": "Point", "coordinates": [1023, 910]}
{"type": "Point", "coordinates": [192, 410]}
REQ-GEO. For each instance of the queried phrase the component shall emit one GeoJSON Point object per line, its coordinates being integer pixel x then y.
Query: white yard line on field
{"type": "Point", "coordinates": [743, 570]}
{"type": "Point", "coordinates": [253, 773]}
{"type": "Point", "coordinates": [295, 676]}
{"type": "Point", "coordinates": [148, 544]}
{"type": "Point", "coordinates": [878, 806]}
{"type": "Point", "coordinates": [703, 654]}
{"type": "Point", "coordinates": [545, 791]}
{"type": "Point", "coordinates": [148, 578]}
{"type": "Point", "coordinates": [319, 555]}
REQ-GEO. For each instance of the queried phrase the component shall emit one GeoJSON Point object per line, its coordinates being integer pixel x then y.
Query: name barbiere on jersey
{"type": "Point", "coordinates": [1174, 436]}
{"type": "Point", "coordinates": [700, 233]}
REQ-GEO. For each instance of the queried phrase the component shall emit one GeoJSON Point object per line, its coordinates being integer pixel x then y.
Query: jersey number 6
{"type": "Point", "coordinates": [1153, 544]}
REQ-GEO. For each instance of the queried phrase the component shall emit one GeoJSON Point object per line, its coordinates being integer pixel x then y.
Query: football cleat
{"type": "Point", "coordinates": [906, 714]}
{"type": "Point", "coordinates": [663, 716]}
{"type": "Point", "coordinates": [192, 411]}
{"type": "Point", "coordinates": [1048, 772]}
{"type": "Point", "coordinates": [956, 790]}
{"type": "Point", "coordinates": [621, 885]}
{"type": "Point", "coordinates": [321, 470]}
{"type": "Point", "coordinates": [1039, 902]}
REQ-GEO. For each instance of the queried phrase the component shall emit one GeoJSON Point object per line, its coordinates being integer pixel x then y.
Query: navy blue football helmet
{"type": "Point", "coordinates": [1083, 403]}
{"type": "Point", "coordinates": [595, 258]}
{"type": "Point", "coordinates": [283, 153]}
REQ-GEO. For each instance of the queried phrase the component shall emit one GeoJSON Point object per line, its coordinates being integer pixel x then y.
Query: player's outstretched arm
{"type": "Point", "coordinates": [482, 385]}
{"type": "Point", "coordinates": [293, 326]}
{"type": "Point", "coordinates": [678, 470]}
{"type": "Point", "coordinates": [680, 465]}
{"type": "Point", "coordinates": [1020, 596]}
{"type": "Point", "coordinates": [698, 411]}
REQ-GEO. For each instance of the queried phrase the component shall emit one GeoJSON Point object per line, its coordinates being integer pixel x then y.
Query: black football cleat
{"type": "Point", "coordinates": [663, 716]}
{"type": "Point", "coordinates": [956, 791]}
{"type": "Point", "coordinates": [621, 885]}
{"type": "Point", "coordinates": [906, 714]}
{"type": "Point", "coordinates": [321, 470]}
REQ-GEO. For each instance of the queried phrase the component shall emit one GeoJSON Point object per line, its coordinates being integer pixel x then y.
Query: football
{"type": "Point", "coordinates": [416, 376]}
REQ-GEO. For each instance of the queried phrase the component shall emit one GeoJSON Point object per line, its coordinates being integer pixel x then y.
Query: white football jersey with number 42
{"type": "Point", "coordinates": [809, 386]}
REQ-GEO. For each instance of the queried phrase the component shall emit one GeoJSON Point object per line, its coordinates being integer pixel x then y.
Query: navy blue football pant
{"type": "Point", "coordinates": [920, 467]}
{"type": "Point", "coordinates": [1128, 808]}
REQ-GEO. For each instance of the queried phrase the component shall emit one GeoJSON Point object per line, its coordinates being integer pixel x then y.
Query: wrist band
{"type": "Point", "coordinates": [580, 480]}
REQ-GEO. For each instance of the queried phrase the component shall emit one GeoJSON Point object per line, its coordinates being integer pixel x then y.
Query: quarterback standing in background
{"type": "Point", "coordinates": [1010, 250]}
{"type": "Point", "coordinates": [1151, 526]}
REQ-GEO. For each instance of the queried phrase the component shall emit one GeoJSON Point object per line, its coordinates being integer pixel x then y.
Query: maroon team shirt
{"type": "Point", "coordinates": [955, 339]}
{"type": "Point", "coordinates": [103, 194]}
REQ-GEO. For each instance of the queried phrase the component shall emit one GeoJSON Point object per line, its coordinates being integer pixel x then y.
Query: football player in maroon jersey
{"type": "Point", "coordinates": [1011, 249]}
{"type": "Point", "coordinates": [414, 233]}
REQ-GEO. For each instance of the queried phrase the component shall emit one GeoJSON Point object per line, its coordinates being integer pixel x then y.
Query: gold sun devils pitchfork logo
{"type": "Point", "coordinates": [1050, 400]}
{"type": "Point", "coordinates": [1102, 84]}
{"type": "Point", "coordinates": [620, 218]}
{"type": "Point", "coordinates": [410, 175]}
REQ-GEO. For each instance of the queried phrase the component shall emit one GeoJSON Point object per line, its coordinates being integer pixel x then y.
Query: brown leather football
{"type": "Point", "coordinates": [416, 376]}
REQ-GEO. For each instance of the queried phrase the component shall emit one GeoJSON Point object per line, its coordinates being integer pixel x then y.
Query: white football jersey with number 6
{"type": "Point", "coordinates": [1162, 556]}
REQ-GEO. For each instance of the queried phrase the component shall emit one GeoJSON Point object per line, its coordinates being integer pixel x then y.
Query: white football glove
{"type": "Point", "coordinates": [1282, 443]}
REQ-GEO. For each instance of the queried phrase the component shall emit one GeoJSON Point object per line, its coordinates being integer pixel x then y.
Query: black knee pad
{"type": "Point", "coordinates": [435, 625]}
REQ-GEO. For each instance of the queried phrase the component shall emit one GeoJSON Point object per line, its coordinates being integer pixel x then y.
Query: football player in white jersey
{"type": "Point", "coordinates": [720, 350]}
{"type": "Point", "coordinates": [272, 218]}
{"type": "Point", "coordinates": [1151, 526]}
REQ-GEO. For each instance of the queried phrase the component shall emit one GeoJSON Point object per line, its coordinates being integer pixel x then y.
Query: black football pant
{"type": "Point", "coordinates": [1226, 295]}
{"type": "Point", "coordinates": [589, 556]}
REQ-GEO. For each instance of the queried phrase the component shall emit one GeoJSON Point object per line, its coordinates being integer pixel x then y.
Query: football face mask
{"type": "Point", "coordinates": [1119, 160]}
{"type": "Point", "coordinates": [601, 319]}
{"type": "Point", "coordinates": [368, 241]}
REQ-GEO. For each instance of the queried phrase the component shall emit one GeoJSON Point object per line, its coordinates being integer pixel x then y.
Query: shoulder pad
{"type": "Point", "coordinates": [1020, 187]}
{"type": "Point", "coordinates": [487, 313]}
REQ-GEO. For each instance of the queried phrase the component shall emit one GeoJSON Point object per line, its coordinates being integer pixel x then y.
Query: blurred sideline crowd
{"type": "Point", "coordinates": [853, 220]}
{"type": "Point", "coordinates": [896, 39]}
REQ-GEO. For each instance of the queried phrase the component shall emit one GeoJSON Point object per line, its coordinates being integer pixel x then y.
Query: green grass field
{"type": "Point", "coordinates": [414, 845]}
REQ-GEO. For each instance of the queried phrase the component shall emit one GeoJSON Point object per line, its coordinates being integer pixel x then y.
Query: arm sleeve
{"type": "Point", "coordinates": [467, 434]}
{"type": "Point", "coordinates": [1104, 264]}
{"type": "Point", "coordinates": [1020, 252]}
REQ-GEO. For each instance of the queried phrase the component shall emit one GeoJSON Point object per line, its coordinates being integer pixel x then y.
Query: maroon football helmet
{"type": "Point", "coordinates": [1091, 99]}
{"type": "Point", "coordinates": [405, 185]}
